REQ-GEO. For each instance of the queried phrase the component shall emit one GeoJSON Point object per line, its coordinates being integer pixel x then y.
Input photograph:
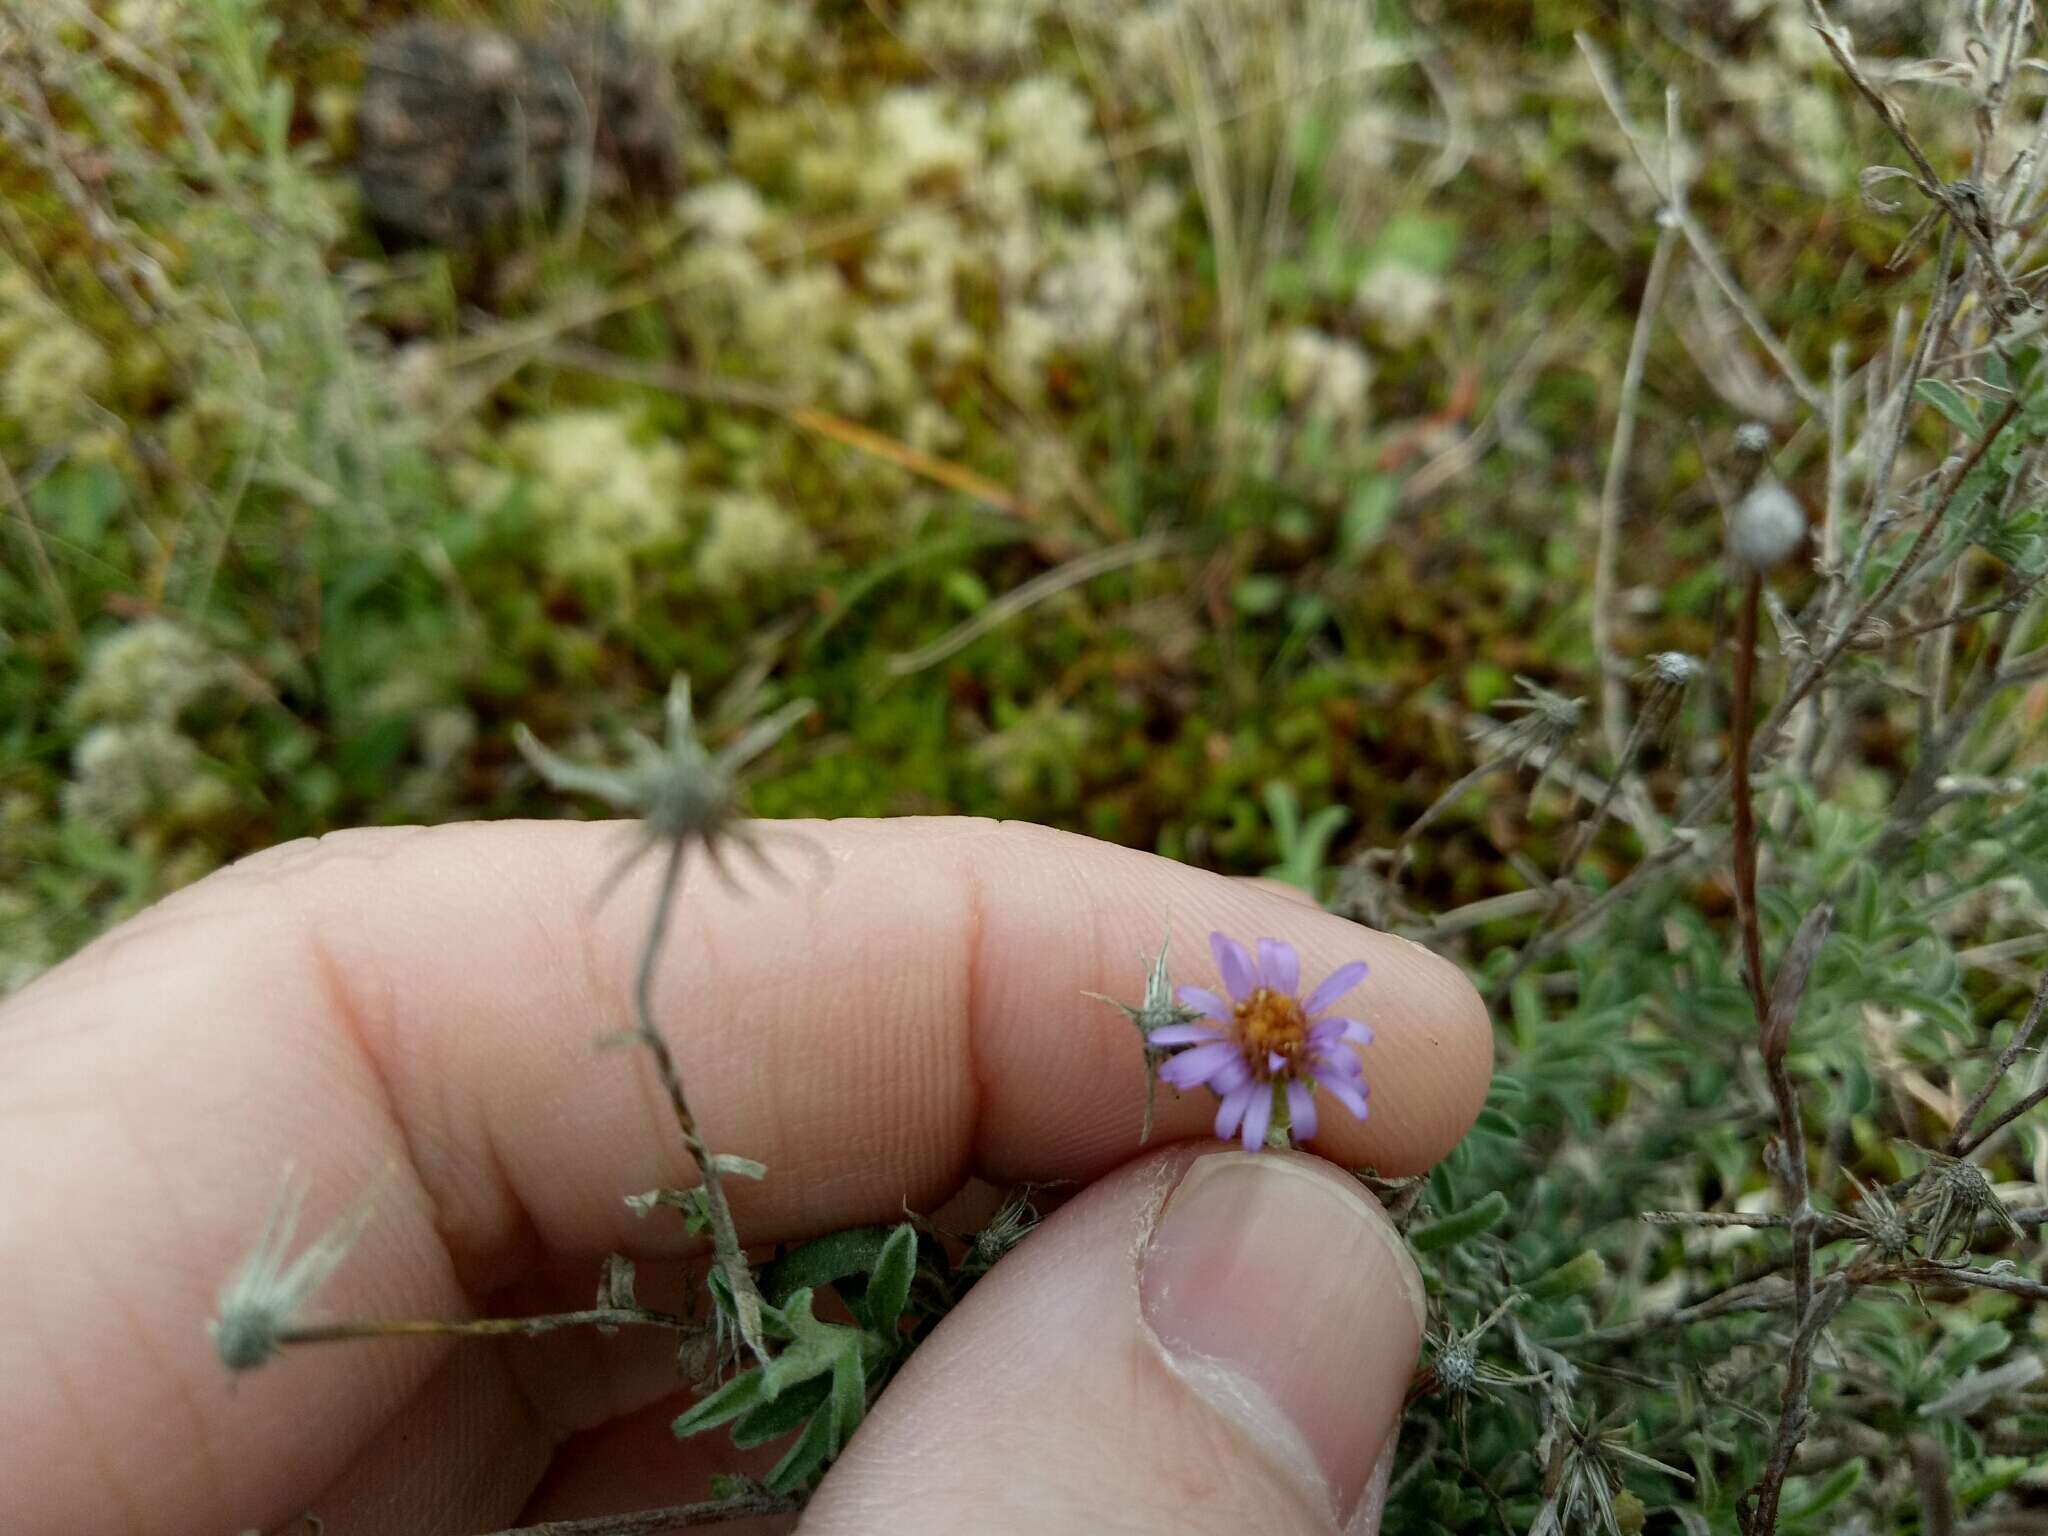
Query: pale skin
{"type": "Point", "coordinates": [904, 1015]}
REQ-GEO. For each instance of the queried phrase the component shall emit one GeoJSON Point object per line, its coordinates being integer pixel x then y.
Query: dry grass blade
{"type": "Point", "coordinates": [1076, 572]}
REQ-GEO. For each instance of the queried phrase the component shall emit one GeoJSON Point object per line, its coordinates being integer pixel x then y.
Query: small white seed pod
{"type": "Point", "coordinates": [1767, 526]}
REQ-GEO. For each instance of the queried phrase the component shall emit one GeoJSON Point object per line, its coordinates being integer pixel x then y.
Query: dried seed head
{"type": "Point", "coordinates": [1158, 1011]}
{"type": "Point", "coordinates": [1011, 1224]}
{"type": "Point", "coordinates": [266, 1295]}
{"type": "Point", "coordinates": [1767, 526]}
{"type": "Point", "coordinates": [1890, 1235]}
{"type": "Point", "coordinates": [1954, 1193]}
{"type": "Point", "coordinates": [684, 792]}
{"type": "Point", "coordinates": [1558, 713]}
{"type": "Point", "coordinates": [1457, 1367]}
{"type": "Point", "coordinates": [1752, 439]}
{"type": "Point", "coordinates": [1673, 669]}
{"type": "Point", "coordinates": [1965, 1184]}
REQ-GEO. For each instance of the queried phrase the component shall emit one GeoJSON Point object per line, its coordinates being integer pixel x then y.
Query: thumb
{"type": "Point", "coordinates": [1203, 1341]}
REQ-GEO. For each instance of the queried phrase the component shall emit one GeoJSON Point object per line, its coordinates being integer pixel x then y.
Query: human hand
{"type": "Point", "coordinates": [1201, 1340]}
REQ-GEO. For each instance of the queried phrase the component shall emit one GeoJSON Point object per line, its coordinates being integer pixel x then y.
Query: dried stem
{"type": "Point", "coordinates": [1960, 1142]}
{"type": "Point", "coordinates": [1826, 1229]}
{"type": "Point", "coordinates": [1941, 310]}
{"type": "Point", "coordinates": [1776, 1011]}
{"type": "Point", "coordinates": [1760, 1506]}
{"type": "Point", "coordinates": [2031, 1101]}
{"type": "Point", "coordinates": [486, 1327]}
{"type": "Point", "coordinates": [1963, 203]}
{"type": "Point", "coordinates": [1696, 236]}
{"type": "Point", "coordinates": [676, 1517]}
{"type": "Point", "coordinates": [1944, 499]}
{"type": "Point", "coordinates": [2007, 604]}
{"type": "Point", "coordinates": [1933, 1274]}
{"type": "Point", "coordinates": [1743, 710]}
{"type": "Point", "coordinates": [732, 1259]}
{"type": "Point", "coordinates": [1436, 808]}
{"type": "Point", "coordinates": [1613, 690]}
{"type": "Point", "coordinates": [1931, 1474]}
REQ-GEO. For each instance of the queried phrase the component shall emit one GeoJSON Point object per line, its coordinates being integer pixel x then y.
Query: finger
{"type": "Point", "coordinates": [1283, 889]}
{"type": "Point", "coordinates": [1206, 1341]}
{"type": "Point", "coordinates": [907, 1014]}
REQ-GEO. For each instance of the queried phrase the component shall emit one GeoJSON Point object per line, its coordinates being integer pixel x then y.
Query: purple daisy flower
{"type": "Point", "coordinates": [1264, 1040]}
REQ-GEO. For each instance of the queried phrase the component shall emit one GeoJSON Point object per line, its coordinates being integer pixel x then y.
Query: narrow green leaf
{"type": "Point", "coordinates": [736, 1397]}
{"type": "Point", "coordinates": [1458, 1227]}
{"type": "Point", "coordinates": [1950, 401]}
{"type": "Point", "coordinates": [1494, 1123]}
{"type": "Point", "coordinates": [1568, 1279]}
{"type": "Point", "coordinates": [889, 1281]}
{"type": "Point", "coordinates": [803, 1460]}
{"type": "Point", "coordinates": [824, 1261]}
{"type": "Point", "coordinates": [1839, 1485]}
{"type": "Point", "coordinates": [771, 1421]}
{"type": "Point", "coordinates": [849, 1397]}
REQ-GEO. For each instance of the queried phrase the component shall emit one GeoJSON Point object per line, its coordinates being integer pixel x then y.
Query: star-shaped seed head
{"type": "Point", "coordinates": [1158, 1011]}
{"type": "Point", "coordinates": [683, 792]}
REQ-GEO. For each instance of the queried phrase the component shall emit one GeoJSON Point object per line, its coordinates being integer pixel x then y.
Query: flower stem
{"type": "Point", "coordinates": [732, 1259]}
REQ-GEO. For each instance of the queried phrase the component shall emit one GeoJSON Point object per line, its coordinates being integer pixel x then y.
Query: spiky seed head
{"type": "Point", "coordinates": [1457, 1367]}
{"type": "Point", "coordinates": [1890, 1234]}
{"type": "Point", "coordinates": [1673, 669]}
{"type": "Point", "coordinates": [269, 1291]}
{"type": "Point", "coordinates": [1011, 1224]}
{"type": "Point", "coordinates": [1557, 714]}
{"type": "Point", "coordinates": [1965, 1184]}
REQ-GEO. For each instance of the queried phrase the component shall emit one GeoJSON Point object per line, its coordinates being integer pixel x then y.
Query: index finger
{"type": "Point", "coordinates": [911, 1010]}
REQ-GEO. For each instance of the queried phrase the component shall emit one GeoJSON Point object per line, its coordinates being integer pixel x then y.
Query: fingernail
{"type": "Point", "coordinates": [1282, 1294]}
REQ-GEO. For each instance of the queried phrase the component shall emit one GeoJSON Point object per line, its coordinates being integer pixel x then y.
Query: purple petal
{"type": "Point", "coordinates": [1231, 1111]}
{"type": "Point", "coordinates": [1350, 1095]}
{"type": "Point", "coordinates": [1301, 1109]}
{"type": "Point", "coordinates": [1190, 1069]}
{"type": "Point", "coordinates": [1207, 1001]}
{"type": "Point", "coordinates": [1231, 1076]}
{"type": "Point", "coordinates": [1257, 1116]}
{"type": "Point", "coordinates": [1339, 981]}
{"type": "Point", "coordinates": [1328, 1032]}
{"type": "Point", "coordinates": [1184, 1034]}
{"type": "Point", "coordinates": [1279, 965]}
{"type": "Point", "coordinates": [1234, 961]}
{"type": "Point", "coordinates": [1336, 1059]}
{"type": "Point", "coordinates": [1275, 1063]}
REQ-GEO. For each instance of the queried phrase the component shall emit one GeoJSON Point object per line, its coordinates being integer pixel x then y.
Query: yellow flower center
{"type": "Point", "coordinates": [1271, 1023]}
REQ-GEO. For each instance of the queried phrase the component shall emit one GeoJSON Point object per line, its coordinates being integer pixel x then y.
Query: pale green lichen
{"type": "Point", "coordinates": [974, 29]}
{"type": "Point", "coordinates": [126, 775]}
{"type": "Point", "coordinates": [1399, 300]}
{"type": "Point", "coordinates": [1326, 377]}
{"type": "Point", "coordinates": [729, 210]}
{"type": "Point", "coordinates": [749, 537]}
{"type": "Point", "coordinates": [920, 135]}
{"type": "Point", "coordinates": [1044, 129]}
{"type": "Point", "coordinates": [51, 368]}
{"type": "Point", "coordinates": [153, 670]}
{"type": "Point", "coordinates": [757, 39]}
{"type": "Point", "coordinates": [603, 496]}
{"type": "Point", "coordinates": [1038, 752]}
